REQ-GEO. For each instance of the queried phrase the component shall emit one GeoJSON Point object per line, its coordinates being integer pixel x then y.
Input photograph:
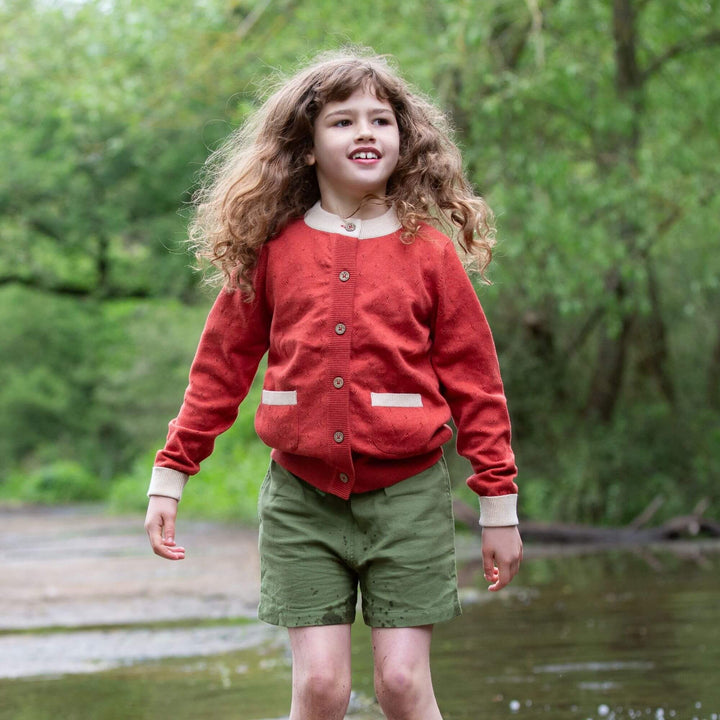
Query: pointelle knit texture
{"type": "Point", "coordinates": [373, 344]}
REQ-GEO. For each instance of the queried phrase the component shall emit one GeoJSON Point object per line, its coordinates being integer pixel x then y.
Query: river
{"type": "Point", "coordinates": [631, 633]}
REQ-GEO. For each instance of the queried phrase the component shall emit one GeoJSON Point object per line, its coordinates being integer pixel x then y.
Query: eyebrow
{"type": "Point", "coordinates": [348, 111]}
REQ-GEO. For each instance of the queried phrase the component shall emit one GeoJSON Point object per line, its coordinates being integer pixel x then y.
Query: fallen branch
{"type": "Point", "coordinates": [648, 513]}
{"type": "Point", "coordinates": [683, 526]}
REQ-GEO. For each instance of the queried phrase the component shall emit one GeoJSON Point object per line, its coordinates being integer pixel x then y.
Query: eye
{"type": "Point", "coordinates": [342, 123]}
{"type": "Point", "coordinates": [382, 121]}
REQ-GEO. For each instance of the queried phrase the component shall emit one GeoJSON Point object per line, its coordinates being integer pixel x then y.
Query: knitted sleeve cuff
{"type": "Point", "coordinates": [167, 482]}
{"type": "Point", "coordinates": [498, 511]}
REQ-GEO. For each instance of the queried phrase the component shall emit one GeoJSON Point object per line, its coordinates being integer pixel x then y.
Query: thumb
{"type": "Point", "coordinates": [169, 529]}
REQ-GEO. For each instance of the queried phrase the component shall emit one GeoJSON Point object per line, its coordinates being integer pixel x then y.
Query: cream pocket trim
{"type": "Point", "coordinates": [396, 400]}
{"type": "Point", "coordinates": [279, 397]}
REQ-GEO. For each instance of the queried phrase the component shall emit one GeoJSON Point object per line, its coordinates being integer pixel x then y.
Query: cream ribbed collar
{"type": "Point", "coordinates": [319, 219]}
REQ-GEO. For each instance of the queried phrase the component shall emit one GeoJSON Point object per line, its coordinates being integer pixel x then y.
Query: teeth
{"type": "Point", "coordinates": [365, 156]}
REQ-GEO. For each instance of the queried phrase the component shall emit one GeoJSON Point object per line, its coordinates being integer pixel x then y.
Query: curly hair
{"type": "Point", "coordinates": [259, 180]}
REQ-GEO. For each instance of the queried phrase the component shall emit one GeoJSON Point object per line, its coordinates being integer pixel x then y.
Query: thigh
{"type": "Point", "coordinates": [303, 579]}
{"type": "Point", "coordinates": [407, 647]}
{"type": "Point", "coordinates": [321, 649]}
{"type": "Point", "coordinates": [409, 577]}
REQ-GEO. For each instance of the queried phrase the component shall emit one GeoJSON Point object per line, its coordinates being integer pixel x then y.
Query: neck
{"type": "Point", "coordinates": [364, 209]}
{"type": "Point", "coordinates": [362, 228]}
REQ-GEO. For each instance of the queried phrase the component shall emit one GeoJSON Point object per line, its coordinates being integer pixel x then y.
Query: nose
{"type": "Point", "coordinates": [364, 130]}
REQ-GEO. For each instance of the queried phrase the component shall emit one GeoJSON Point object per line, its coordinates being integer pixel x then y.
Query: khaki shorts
{"type": "Point", "coordinates": [397, 544]}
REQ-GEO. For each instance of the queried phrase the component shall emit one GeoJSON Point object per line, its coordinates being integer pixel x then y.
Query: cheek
{"type": "Point", "coordinates": [400, 149]}
{"type": "Point", "coordinates": [397, 143]}
{"type": "Point", "coordinates": [397, 152]}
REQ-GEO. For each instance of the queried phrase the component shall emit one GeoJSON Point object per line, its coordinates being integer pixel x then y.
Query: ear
{"type": "Point", "coordinates": [310, 158]}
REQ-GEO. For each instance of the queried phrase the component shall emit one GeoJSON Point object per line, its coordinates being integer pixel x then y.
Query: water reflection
{"type": "Point", "coordinates": [619, 634]}
{"type": "Point", "coordinates": [605, 636]}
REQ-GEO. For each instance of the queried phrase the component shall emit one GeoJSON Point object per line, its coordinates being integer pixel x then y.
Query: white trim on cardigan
{"type": "Point", "coordinates": [319, 219]}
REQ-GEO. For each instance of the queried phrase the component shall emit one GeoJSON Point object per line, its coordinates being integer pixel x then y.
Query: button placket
{"type": "Point", "coordinates": [341, 307]}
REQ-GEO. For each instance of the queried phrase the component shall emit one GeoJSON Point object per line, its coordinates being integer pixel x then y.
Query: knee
{"type": "Point", "coordinates": [326, 689]}
{"type": "Point", "coordinates": [398, 686]}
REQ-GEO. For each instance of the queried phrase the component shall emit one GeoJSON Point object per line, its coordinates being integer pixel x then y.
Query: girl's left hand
{"type": "Point", "coordinates": [502, 554]}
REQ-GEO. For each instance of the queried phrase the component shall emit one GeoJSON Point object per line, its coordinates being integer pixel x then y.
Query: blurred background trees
{"type": "Point", "coordinates": [590, 128]}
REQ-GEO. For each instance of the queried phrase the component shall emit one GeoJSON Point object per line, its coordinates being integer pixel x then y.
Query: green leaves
{"type": "Point", "coordinates": [605, 196]}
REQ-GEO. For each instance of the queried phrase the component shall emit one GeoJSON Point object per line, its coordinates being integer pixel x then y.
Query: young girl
{"type": "Point", "coordinates": [322, 216]}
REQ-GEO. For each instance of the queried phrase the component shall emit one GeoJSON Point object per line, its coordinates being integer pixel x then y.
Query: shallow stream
{"type": "Point", "coordinates": [617, 634]}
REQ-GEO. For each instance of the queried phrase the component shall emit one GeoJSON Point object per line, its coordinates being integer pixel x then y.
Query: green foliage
{"type": "Point", "coordinates": [228, 484]}
{"type": "Point", "coordinates": [600, 167]}
{"type": "Point", "coordinates": [82, 381]}
{"type": "Point", "coordinates": [59, 482]}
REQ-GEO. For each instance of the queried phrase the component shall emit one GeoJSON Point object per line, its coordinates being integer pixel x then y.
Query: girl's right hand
{"type": "Point", "coordinates": [160, 527]}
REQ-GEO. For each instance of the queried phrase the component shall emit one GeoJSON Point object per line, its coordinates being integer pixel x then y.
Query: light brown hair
{"type": "Point", "coordinates": [259, 180]}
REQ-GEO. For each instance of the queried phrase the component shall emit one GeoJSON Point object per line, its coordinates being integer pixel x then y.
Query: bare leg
{"type": "Point", "coordinates": [321, 672]}
{"type": "Point", "coordinates": [402, 673]}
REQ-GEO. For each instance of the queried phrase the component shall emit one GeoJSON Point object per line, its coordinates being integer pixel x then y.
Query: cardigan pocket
{"type": "Point", "coordinates": [409, 400]}
{"type": "Point", "coordinates": [401, 425]}
{"type": "Point", "coordinates": [277, 421]}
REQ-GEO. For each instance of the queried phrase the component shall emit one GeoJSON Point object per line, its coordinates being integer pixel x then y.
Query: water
{"type": "Point", "coordinates": [614, 635]}
{"type": "Point", "coordinates": [606, 636]}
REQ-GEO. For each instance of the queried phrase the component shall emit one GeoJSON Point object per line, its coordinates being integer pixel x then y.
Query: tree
{"type": "Point", "coordinates": [590, 129]}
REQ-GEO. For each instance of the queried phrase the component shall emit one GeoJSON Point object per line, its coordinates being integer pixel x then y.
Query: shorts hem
{"type": "Point", "coordinates": [289, 620]}
{"type": "Point", "coordinates": [409, 620]}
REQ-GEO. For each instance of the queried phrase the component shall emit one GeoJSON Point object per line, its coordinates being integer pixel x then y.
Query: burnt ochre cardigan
{"type": "Point", "coordinates": [373, 344]}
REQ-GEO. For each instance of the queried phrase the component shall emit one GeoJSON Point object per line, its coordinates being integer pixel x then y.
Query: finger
{"type": "Point", "coordinates": [153, 528]}
{"type": "Point", "coordinates": [169, 530]}
{"type": "Point", "coordinates": [493, 575]}
{"type": "Point", "coordinates": [169, 551]}
{"type": "Point", "coordinates": [499, 584]}
{"type": "Point", "coordinates": [172, 546]}
{"type": "Point", "coordinates": [504, 576]}
{"type": "Point", "coordinates": [164, 547]}
{"type": "Point", "coordinates": [489, 566]}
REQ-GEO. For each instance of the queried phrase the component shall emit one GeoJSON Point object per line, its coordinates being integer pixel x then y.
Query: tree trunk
{"type": "Point", "coordinates": [658, 355]}
{"type": "Point", "coordinates": [622, 149]}
{"type": "Point", "coordinates": [713, 377]}
{"type": "Point", "coordinates": [606, 383]}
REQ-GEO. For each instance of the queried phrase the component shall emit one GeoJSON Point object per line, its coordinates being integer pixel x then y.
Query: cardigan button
{"type": "Point", "coordinates": [350, 227]}
{"type": "Point", "coordinates": [339, 436]}
{"type": "Point", "coordinates": [338, 382]}
{"type": "Point", "coordinates": [343, 477]}
{"type": "Point", "coordinates": [340, 329]}
{"type": "Point", "coordinates": [344, 276]}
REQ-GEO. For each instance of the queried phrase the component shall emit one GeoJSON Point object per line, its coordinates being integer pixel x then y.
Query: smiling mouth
{"type": "Point", "coordinates": [365, 155]}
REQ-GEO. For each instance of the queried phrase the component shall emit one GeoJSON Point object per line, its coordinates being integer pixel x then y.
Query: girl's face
{"type": "Point", "coordinates": [356, 144]}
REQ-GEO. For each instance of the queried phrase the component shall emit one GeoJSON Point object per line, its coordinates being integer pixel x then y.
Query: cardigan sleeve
{"type": "Point", "coordinates": [465, 361]}
{"type": "Point", "coordinates": [233, 342]}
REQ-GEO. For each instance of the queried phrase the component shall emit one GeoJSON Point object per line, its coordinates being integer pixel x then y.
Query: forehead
{"type": "Point", "coordinates": [365, 98]}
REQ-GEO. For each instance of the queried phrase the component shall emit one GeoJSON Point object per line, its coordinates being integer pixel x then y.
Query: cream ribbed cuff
{"type": "Point", "coordinates": [498, 511]}
{"type": "Point", "coordinates": [167, 482]}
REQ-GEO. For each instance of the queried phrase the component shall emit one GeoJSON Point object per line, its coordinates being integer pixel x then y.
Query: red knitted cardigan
{"type": "Point", "coordinates": [373, 344]}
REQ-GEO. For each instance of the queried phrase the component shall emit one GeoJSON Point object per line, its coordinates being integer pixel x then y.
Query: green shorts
{"type": "Point", "coordinates": [397, 544]}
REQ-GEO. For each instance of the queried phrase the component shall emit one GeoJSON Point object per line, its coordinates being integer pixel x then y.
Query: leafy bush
{"type": "Point", "coordinates": [59, 482]}
{"type": "Point", "coordinates": [229, 480]}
